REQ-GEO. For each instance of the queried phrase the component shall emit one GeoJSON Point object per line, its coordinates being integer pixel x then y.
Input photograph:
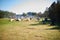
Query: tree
{"type": "Point", "coordinates": [46, 13]}
{"type": "Point", "coordinates": [39, 14]}
{"type": "Point", "coordinates": [24, 14]}
{"type": "Point", "coordinates": [6, 14]}
{"type": "Point", "coordinates": [54, 13]}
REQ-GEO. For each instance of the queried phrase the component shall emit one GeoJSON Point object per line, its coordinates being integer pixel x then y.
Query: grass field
{"type": "Point", "coordinates": [27, 30]}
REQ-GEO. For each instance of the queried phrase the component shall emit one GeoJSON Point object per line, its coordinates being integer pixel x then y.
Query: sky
{"type": "Point", "coordinates": [20, 6]}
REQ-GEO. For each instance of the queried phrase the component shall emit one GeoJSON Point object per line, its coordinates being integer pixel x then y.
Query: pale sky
{"type": "Point", "coordinates": [20, 6]}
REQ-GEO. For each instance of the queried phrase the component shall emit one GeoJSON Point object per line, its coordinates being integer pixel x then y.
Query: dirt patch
{"type": "Point", "coordinates": [38, 36]}
{"type": "Point", "coordinates": [31, 28]}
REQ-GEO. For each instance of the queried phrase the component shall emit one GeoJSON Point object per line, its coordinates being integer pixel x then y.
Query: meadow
{"type": "Point", "coordinates": [27, 30]}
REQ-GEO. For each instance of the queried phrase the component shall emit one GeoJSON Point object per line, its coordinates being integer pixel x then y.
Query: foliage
{"type": "Point", "coordinates": [54, 13]}
{"type": "Point", "coordinates": [6, 14]}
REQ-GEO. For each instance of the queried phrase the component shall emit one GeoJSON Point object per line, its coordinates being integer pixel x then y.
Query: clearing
{"type": "Point", "coordinates": [27, 30]}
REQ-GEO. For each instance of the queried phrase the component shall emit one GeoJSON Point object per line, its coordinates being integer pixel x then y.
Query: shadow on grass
{"type": "Point", "coordinates": [39, 23]}
{"type": "Point", "coordinates": [54, 28]}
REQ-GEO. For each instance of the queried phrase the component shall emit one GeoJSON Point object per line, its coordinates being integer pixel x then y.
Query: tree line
{"type": "Point", "coordinates": [6, 14]}
{"type": "Point", "coordinates": [54, 13]}
{"type": "Point", "coordinates": [32, 14]}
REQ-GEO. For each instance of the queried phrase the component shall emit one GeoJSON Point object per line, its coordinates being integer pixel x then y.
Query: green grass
{"type": "Point", "coordinates": [27, 30]}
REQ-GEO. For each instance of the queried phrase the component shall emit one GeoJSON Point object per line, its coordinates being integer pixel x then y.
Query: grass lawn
{"type": "Point", "coordinates": [27, 30]}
